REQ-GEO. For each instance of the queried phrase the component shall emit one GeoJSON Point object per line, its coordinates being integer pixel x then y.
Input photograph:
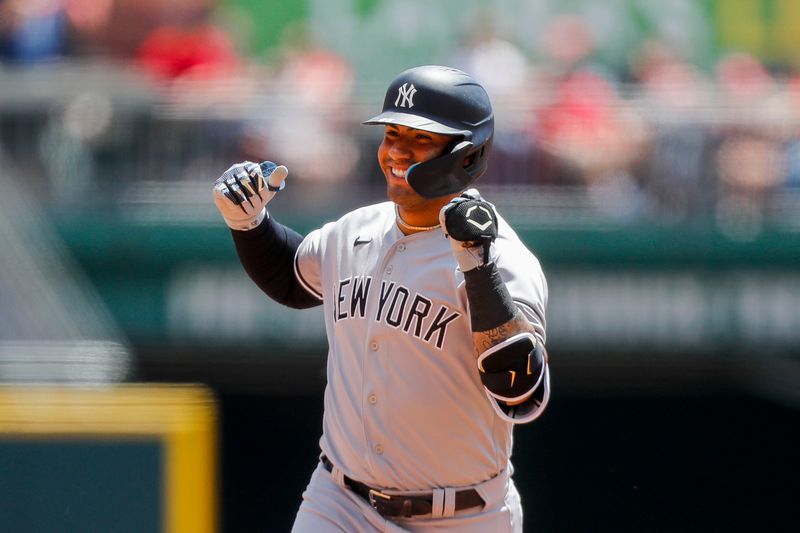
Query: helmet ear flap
{"type": "Point", "coordinates": [442, 175]}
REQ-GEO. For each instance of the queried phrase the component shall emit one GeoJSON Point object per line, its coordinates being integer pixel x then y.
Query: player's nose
{"type": "Point", "coordinates": [399, 151]}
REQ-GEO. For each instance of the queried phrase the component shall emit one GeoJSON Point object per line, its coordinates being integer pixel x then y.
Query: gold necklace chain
{"type": "Point", "coordinates": [411, 227]}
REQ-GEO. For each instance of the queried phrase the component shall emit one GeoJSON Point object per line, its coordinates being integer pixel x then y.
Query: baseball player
{"type": "Point", "coordinates": [434, 312]}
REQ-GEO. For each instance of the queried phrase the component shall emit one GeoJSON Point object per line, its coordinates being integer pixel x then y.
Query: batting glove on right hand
{"type": "Point", "coordinates": [470, 222]}
{"type": "Point", "coordinates": [243, 191]}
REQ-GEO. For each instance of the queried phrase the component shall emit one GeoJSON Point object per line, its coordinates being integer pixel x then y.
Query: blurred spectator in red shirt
{"type": "Point", "coordinates": [198, 50]}
{"type": "Point", "coordinates": [584, 124]}
{"type": "Point", "coordinates": [194, 60]}
{"type": "Point", "coordinates": [192, 47]}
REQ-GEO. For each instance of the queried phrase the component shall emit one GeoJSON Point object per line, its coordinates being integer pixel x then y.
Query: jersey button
{"type": "Point", "coordinates": [373, 399]}
{"type": "Point", "coordinates": [373, 346]}
{"type": "Point", "coordinates": [379, 449]}
{"type": "Point", "coordinates": [401, 247]}
{"type": "Point", "coordinates": [389, 269]}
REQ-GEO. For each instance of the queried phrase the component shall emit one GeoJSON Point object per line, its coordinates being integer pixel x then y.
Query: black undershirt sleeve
{"type": "Point", "coordinates": [490, 304]}
{"type": "Point", "coordinates": [267, 255]}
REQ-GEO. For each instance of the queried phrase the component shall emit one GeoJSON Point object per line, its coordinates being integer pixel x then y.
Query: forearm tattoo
{"type": "Point", "coordinates": [483, 340]}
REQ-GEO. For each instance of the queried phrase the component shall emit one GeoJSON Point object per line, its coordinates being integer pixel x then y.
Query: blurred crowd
{"type": "Point", "coordinates": [168, 38]}
{"type": "Point", "coordinates": [661, 138]}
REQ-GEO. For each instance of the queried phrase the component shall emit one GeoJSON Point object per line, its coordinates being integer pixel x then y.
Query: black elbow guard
{"type": "Point", "coordinates": [513, 369]}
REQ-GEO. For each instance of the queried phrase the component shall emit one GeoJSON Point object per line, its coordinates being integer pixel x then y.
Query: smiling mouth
{"type": "Point", "coordinates": [397, 173]}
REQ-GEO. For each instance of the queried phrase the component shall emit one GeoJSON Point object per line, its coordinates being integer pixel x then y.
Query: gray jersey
{"type": "Point", "coordinates": [404, 405]}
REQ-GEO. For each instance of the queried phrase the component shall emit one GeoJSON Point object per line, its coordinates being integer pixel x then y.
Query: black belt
{"type": "Point", "coordinates": [393, 505]}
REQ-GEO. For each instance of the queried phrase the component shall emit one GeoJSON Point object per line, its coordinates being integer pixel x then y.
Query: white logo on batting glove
{"type": "Point", "coordinates": [477, 224]}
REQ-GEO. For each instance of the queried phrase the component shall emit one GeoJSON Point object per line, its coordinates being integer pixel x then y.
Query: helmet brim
{"type": "Point", "coordinates": [417, 122]}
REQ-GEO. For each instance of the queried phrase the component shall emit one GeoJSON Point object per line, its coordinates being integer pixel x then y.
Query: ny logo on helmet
{"type": "Point", "coordinates": [405, 96]}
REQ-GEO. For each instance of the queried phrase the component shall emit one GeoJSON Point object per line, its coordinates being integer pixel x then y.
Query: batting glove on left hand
{"type": "Point", "coordinates": [243, 191]}
{"type": "Point", "coordinates": [470, 222]}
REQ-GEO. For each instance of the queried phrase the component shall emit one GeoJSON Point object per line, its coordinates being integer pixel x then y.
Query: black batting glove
{"type": "Point", "coordinates": [470, 223]}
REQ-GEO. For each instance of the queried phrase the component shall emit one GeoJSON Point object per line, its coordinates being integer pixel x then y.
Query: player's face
{"type": "Point", "coordinates": [402, 147]}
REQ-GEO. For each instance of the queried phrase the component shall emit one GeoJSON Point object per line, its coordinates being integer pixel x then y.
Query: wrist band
{"type": "Point", "coordinates": [490, 304]}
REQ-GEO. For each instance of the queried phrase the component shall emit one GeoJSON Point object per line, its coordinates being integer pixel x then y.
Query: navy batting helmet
{"type": "Point", "coordinates": [447, 101]}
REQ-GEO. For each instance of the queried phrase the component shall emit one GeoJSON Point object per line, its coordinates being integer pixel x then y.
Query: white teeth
{"type": "Point", "coordinates": [399, 173]}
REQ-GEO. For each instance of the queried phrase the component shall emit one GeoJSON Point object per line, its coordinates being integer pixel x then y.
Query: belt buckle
{"type": "Point", "coordinates": [378, 494]}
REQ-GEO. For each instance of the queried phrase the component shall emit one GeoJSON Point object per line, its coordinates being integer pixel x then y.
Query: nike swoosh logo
{"type": "Point", "coordinates": [359, 240]}
{"type": "Point", "coordinates": [480, 226]}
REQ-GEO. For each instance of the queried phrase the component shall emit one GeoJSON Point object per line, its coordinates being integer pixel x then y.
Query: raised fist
{"type": "Point", "coordinates": [243, 191]}
{"type": "Point", "coordinates": [470, 222]}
